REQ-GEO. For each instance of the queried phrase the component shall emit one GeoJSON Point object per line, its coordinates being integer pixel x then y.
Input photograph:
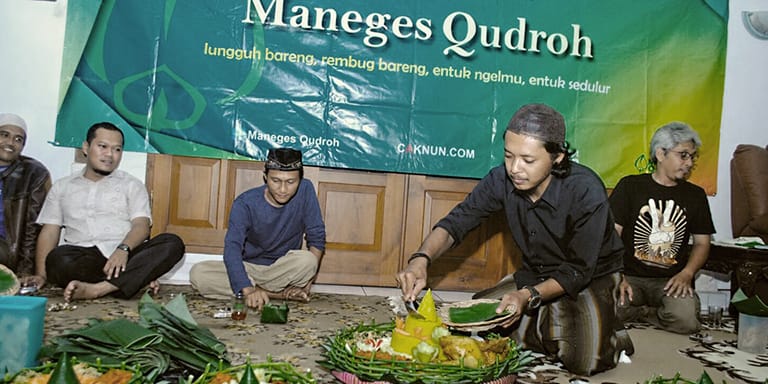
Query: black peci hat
{"type": "Point", "coordinates": [284, 159]}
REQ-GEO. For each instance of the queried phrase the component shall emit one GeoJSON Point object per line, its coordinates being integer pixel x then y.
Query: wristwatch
{"type": "Point", "coordinates": [535, 300]}
{"type": "Point", "coordinates": [124, 247]}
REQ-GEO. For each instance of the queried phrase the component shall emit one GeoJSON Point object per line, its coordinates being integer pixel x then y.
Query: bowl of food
{"type": "Point", "coordinates": [421, 349]}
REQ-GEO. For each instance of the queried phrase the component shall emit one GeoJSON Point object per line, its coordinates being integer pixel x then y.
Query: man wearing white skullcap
{"type": "Point", "coordinates": [24, 183]}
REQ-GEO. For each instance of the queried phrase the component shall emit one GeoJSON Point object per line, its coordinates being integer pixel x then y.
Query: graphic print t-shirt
{"type": "Point", "coordinates": [658, 222]}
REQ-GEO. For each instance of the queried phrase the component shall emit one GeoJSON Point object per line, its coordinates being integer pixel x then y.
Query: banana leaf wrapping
{"type": "Point", "coordinates": [274, 314]}
{"type": "Point", "coordinates": [189, 344]}
{"type": "Point", "coordinates": [339, 356]}
{"type": "Point", "coordinates": [165, 338]}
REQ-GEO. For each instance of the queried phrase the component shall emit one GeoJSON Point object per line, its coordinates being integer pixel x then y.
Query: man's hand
{"type": "Point", "coordinates": [625, 292]}
{"type": "Point", "coordinates": [679, 285]}
{"type": "Point", "coordinates": [116, 264]}
{"type": "Point", "coordinates": [154, 286]}
{"type": "Point", "coordinates": [515, 303]}
{"type": "Point", "coordinates": [413, 278]}
{"type": "Point", "coordinates": [33, 280]}
{"type": "Point", "coordinates": [255, 297]}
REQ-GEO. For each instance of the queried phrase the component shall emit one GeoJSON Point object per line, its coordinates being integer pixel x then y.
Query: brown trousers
{"type": "Point", "coordinates": [583, 332]}
{"type": "Point", "coordinates": [296, 268]}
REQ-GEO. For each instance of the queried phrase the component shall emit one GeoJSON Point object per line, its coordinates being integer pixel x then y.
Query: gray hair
{"type": "Point", "coordinates": [670, 135]}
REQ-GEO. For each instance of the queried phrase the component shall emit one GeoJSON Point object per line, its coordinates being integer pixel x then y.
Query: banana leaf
{"type": "Point", "coordinates": [189, 344]}
{"type": "Point", "coordinates": [63, 373]}
{"type": "Point", "coordinates": [473, 314]}
{"type": "Point", "coordinates": [120, 332]}
{"type": "Point", "coordinates": [151, 362]}
{"type": "Point", "coordinates": [249, 377]}
{"type": "Point", "coordinates": [176, 315]}
{"type": "Point", "coordinates": [176, 307]}
{"type": "Point", "coordinates": [164, 337]}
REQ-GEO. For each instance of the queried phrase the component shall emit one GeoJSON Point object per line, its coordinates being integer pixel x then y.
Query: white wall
{"type": "Point", "coordinates": [745, 104]}
{"type": "Point", "coordinates": [32, 42]}
{"type": "Point", "coordinates": [31, 48]}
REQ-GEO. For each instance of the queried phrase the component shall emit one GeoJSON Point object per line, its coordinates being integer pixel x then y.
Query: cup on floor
{"type": "Point", "coordinates": [715, 314]}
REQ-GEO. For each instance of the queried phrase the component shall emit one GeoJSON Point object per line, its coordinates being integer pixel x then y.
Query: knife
{"type": "Point", "coordinates": [413, 308]}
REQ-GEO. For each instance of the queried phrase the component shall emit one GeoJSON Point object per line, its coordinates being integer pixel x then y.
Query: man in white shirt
{"type": "Point", "coordinates": [105, 217]}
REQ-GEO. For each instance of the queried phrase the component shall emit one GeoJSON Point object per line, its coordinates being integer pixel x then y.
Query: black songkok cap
{"type": "Point", "coordinates": [539, 121]}
{"type": "Point", "coordinates": [283, 159]}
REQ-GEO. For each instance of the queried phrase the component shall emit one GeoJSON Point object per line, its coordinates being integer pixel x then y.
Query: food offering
{"type": "Point", "coordinates": [268, 372]}
{"type": "Point", "coordinates": [421, 348]}
{"type": "Point", "coordinates": [71, 371]}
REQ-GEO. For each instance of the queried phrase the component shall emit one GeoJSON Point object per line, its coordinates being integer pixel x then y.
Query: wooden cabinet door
{"type": "Point", "coordinates": [363, 213]}
{"type": "Point", "coordinates": [192, 196]}
{"type": "Point", "coordinates": [370, 231]}
{"type": "Point", "coordinates": [484, 256]}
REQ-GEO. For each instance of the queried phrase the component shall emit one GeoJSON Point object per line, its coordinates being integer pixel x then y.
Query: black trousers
{"type": "Point", "coordinates": [146, 263]}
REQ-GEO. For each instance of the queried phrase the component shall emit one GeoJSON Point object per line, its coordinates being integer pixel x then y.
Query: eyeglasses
{"type": "Point", "coordinates": [685, 156]}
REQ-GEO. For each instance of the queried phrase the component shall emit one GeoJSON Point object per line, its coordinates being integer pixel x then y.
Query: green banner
{"type": "Point", "coordinates": [414, 86]}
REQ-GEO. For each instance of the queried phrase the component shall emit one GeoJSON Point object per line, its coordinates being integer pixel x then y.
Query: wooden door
{"type": "Point", "coordinates": [484, 256]}
{"type": "Point", "coordinates": [363, 213]}
{"type": "Point", "coordinates": [192, 196]}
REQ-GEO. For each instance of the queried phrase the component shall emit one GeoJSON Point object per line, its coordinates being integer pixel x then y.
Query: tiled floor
{"type": "Point", "coordinates": [442, 296]}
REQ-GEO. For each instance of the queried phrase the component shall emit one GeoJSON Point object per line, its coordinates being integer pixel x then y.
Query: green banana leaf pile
{"type": "Point", "coordinates": [165, 338]}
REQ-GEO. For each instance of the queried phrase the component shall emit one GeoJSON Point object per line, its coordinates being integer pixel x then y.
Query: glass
{"type": "Point", "coordinates": [715, 314]}
{"type": "Point", "coordinates": [239, 309]}
{"type": "Point", "coordinates": [685, 156]}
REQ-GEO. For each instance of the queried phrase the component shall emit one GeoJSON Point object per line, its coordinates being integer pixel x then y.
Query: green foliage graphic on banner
{"type": "Point", "coordinates": [400, 86]}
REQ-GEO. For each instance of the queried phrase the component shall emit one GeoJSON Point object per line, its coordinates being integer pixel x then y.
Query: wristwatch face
{"type": "Point", "coordinates": [535, 300]}
{"type": "Point", "coordinates": [124, 247]}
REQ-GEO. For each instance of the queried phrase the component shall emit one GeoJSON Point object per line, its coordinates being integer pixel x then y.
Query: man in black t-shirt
{"type": "Point", "coordinates": [657, 215]}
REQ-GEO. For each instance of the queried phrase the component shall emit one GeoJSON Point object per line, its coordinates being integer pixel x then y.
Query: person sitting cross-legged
{"type": "Point", "coordinates": [263, 258]}
{"type": "Point", "coordinates": [104, 216]}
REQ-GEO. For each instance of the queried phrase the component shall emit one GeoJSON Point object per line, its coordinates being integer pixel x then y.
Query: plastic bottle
{"type": "Point", "coordinates": [239, 309]}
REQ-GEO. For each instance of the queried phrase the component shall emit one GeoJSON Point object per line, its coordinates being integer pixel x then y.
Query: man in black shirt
{"type": "Point", "coordinates": [656, 215]}
{"type": "Point", "coordinates": [558, 212]}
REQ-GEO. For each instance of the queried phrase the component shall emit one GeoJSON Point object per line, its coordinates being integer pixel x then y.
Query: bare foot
{"type": "Point", "coordinates": [290, 293]}
{"type": "Point", "coordinates": [78, 290]}
{"type": "Point", "coordinates": [296, 294]}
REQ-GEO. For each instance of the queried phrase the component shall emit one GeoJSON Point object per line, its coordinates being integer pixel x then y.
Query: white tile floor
{"type": "Point", "coordinates": [441, 296]}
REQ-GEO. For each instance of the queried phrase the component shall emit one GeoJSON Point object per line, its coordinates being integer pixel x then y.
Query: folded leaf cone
{"type": "Point", "coordinates": [63, 373]}
{"type": "Point", "coordinates": [249, 377]}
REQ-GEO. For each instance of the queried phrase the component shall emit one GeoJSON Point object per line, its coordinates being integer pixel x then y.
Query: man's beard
{"type": "Point", "coordinates": [102, 172]}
